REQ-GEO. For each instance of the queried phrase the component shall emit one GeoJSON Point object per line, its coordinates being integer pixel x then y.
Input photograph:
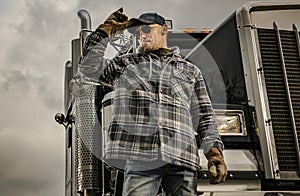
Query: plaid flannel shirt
{"type": "Point", "coordinates": [161, 109]}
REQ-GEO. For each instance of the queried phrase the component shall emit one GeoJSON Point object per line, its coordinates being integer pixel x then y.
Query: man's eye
{"type": "Point", "coordinates": [146, 29]}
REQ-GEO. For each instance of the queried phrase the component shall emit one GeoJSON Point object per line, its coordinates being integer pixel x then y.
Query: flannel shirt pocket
{"type": "Point", "coordinates": [142, 107]}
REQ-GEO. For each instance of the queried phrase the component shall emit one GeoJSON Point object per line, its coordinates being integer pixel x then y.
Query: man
{"type": "Point", "coordinates": [161, 111]}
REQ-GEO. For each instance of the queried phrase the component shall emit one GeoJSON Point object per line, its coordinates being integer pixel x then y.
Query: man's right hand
{"type": "Point", "coordinates": [117, 21]}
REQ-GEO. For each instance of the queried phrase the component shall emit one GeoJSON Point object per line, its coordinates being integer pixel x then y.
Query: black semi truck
{"type": "Point", "coordinates": [251, 64]}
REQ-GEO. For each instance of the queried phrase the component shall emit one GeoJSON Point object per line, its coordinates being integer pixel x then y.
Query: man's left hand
{"type": "Point", "coordinates": [216, 165]}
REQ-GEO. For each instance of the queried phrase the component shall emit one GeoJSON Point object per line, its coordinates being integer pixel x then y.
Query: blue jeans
{"type": "Point", "coordinates": [174, 180]}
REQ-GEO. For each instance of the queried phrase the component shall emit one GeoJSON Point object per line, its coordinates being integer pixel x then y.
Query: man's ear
{"type": "Point", "coordinates": [164, 30]}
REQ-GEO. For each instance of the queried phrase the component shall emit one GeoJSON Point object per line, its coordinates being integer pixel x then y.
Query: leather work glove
{"type": "Point", "coordinates": [216, 165]}
{"type": "Point", "coordinates": [117, 21]}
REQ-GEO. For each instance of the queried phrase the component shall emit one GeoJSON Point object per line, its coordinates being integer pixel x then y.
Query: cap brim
{"type": "Point", "coordinates": [135, 22]}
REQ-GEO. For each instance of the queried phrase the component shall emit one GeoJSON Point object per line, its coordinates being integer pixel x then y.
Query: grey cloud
{"type": "Point", "coordinates": [43, 38]}
{"type": "Point", "coordinates": [31, 75]}
{"type": "Point", "coordinates": [24, 82]}
{"type": "Point", "coordinates": [16, 78]}
{"type": "Point", "coordinates": [43, 45]}
{"type": "Point", "coordinates": [52, 96]}
{"type": "Point", "coordinates": [30, 166]}
{"type": "Point", "coordinates": [32, 145]}
{"type": "Point", "coordinates": [45, 20]}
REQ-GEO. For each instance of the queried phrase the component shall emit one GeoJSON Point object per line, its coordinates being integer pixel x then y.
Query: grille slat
{"type": "Point", "coordinates": [277, 93]}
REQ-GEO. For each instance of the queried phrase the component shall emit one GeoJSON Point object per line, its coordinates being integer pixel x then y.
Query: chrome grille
{"type": "Point", "coordinates": [282, 121]}
{"type": "Point", "coordinates": [292, 63]}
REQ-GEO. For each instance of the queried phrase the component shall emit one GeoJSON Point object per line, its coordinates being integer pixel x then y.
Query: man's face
{"type": "Point", "coordinates": [152, 38]}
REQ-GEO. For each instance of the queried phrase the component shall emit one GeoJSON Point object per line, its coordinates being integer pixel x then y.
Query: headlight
{"type": "Point", "coordinates": [231, 122]}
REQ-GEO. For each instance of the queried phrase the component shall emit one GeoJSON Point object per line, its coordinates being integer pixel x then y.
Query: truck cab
{"type": "Point", "coordinates": [251, 65]}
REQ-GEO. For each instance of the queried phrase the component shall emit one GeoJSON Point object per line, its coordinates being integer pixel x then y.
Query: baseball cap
{"type": "Point", "coordinates": [146, 18]}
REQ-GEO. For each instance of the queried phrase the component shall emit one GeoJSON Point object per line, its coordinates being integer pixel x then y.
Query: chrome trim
{"type": "Point", "coordinates": [296, 136]}
{"type": "Point", "coordinates": [267, 140]}
{"type": "Point", "coordinates": [256, 90]}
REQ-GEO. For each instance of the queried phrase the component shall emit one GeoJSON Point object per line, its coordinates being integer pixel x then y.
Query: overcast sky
{"type": "Point", "coordinates": [35, 40]}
